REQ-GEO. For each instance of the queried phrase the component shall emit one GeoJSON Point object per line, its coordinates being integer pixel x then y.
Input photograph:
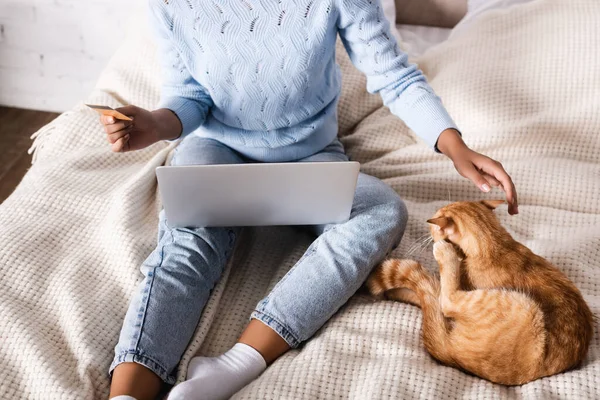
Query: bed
{"type": "Point", "coordinates": [521, 82]}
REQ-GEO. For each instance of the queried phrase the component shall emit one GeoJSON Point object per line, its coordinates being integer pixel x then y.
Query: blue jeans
{"type": "Point", "coordinates": [187, 263]}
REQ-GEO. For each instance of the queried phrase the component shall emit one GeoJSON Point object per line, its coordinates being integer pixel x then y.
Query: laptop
{"type": "Point", "coordinates": [301, 193]}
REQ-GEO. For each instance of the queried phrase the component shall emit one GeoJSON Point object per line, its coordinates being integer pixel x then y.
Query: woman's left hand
{"type": "Point", "coordinates": [484, 172]}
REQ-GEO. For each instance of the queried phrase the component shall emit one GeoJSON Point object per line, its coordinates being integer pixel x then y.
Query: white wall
{"type": "Point", "coordinates": [52, 51]}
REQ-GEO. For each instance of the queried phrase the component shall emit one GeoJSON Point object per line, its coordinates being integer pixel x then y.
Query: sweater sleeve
{"type": "Point", "coordinates": [180, 92]}
{"type": "Point", "coordinates": [366, 35]}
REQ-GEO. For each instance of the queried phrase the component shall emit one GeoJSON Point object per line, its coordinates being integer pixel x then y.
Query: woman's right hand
{"type": "Point", "coordinates": [147, 128]}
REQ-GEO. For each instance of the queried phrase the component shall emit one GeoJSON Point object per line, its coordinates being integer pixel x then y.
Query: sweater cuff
{"type": "Point", "coordinates": [424, 114]}
{"type": "Point", "coordinates": [187, 111]}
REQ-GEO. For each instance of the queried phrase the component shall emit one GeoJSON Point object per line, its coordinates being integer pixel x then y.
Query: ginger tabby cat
{"type": "Point", "coordinates": [498, 311]}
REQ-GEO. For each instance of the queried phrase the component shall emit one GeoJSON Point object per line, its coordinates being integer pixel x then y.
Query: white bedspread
{"type": "Point", "coordinates": [522, 84]}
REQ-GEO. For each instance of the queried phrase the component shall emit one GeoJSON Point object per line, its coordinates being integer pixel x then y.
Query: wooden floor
{"type": "Point", "coordinates": [16, 125]}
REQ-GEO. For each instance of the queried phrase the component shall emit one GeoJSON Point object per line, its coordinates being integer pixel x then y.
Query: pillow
{"type": "Point", "coordinates": [478, 7]}
{"type": "Point", "coordinates": [438, 13]}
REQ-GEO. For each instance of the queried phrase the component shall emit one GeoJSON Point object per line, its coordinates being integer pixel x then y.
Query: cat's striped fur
{"type": "Point", "coordinates": [498, 311]}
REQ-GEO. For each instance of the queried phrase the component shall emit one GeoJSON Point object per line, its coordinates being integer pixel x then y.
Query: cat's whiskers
{"type": "Point", "coordinates": [420, 245]}
{"type": "Point", "coordinates": [417, 243]}
{"type": "Point", "coordinates": [425, 245]}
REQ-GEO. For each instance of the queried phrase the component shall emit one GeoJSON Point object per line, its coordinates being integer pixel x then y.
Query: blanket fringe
{"type": "Point", "coordinates": [43, 134]}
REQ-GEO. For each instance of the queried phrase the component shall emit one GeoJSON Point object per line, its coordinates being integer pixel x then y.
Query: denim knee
{"type": "Point", "coordinates": [395, 217]}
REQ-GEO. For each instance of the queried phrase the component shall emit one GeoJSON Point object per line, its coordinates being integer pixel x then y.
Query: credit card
{"type": "Point", "coordinates": [111, 112]}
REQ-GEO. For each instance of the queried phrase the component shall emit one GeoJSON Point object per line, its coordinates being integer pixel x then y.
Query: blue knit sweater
{"type": "Point", "coordinates": [260, 75]}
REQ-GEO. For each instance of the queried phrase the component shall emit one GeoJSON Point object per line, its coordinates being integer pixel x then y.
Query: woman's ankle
{"type": "Point", "coordinates": [264, 340]}
{"type": "Point", "coordinates": [135, 380]}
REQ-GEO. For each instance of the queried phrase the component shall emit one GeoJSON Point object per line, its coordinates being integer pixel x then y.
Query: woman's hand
{"type": "Point", "coordinates": [481, 170]}
{"type": "Point", "coordinates": [146, 128]}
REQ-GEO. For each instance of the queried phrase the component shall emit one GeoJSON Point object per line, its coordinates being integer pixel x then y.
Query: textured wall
{"type": "Point", "coordinates": [51, 51]}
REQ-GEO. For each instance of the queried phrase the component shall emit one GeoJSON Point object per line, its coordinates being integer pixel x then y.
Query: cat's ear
{"type": "Point", "coordinates": [492, 204]}
{"type": "Point", "coordinates": [442, 222]}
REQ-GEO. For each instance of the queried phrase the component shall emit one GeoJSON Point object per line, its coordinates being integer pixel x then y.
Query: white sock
{"type": "Point", "coordinates": [123, 397]}
{"type": "Point", "coordinates": [216, 378]}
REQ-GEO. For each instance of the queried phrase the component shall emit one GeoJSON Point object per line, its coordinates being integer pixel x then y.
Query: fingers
{"type": "Point", "coordinates": [121, 145]}
{"type": "Point", "coordinates": [468, 170]}
{"type": "Point", "coordinates": [106, 120]}
{"type": "Point", "coordinates": [509, 189]}
{"type": "Point", "coordinates": [113, 137]}
{"type": "Point", "coordinates": [113, 125]}
{"type": "Point", "coordinates": [491, 180]}
{"type": "Point", "coordinates": [496, 170]}
{"type": "Point", "coordinates": [118, 131]}
{"type": "Point", "coordinates": [130, 111]}
{"type": "Point", "coordinates": [486, 173]}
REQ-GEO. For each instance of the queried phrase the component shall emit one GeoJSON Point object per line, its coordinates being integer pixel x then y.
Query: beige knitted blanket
{"type": "Point", "coordinates": [524, 86]}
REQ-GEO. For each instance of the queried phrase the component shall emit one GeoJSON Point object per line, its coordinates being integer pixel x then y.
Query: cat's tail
{"type": "Point", "coordinates": [401, 276]}
{"type": "Point", "coordinates": [385, 279]}
{"type": "Point", "coordinates": [398, 279]}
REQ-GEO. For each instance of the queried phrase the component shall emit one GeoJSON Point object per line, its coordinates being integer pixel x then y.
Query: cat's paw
{"type": "Point", "coordinates": [444, 252]}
